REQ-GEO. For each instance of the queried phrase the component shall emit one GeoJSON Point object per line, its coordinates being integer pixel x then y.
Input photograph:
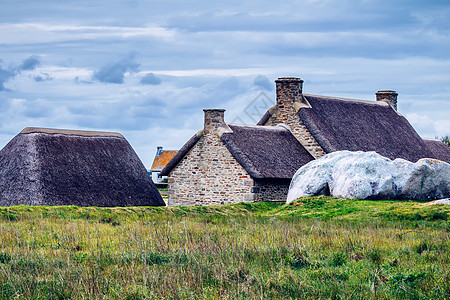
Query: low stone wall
{"type": "Point", "coordinates": [271, 189]}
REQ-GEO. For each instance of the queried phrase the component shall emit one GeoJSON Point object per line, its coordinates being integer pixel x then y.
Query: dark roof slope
{"type": "Point", "coordinates": [63, 167]}
{"type": "Point", "coordinates": [439, 149]}
{"type": "Point", "coordinates": [343, 124]}
{"type": "Point", "coordinates": [266, 151]}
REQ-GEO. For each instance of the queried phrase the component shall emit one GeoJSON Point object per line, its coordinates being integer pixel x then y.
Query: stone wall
{"type": "Point", "coordinates": [271, 189]}
{"type": "Point", "coordinates": [289, 91]}
{"type": "Point", "coordinates": [209, 174]}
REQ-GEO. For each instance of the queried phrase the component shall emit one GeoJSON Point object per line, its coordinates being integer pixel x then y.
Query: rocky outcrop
{"type": "Point", "coordinates": [368, 175]}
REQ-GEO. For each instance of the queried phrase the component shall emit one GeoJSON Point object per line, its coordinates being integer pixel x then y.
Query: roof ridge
{"type": "Point", "coordinates": [382, 103]}
{"type": "Point", "coordinates": [276, 127]}
{"type": "Point", "coordinates": [29, 130]}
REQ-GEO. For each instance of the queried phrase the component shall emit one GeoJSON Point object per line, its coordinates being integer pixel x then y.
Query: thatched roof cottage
{"type": "Point", "coordinates": [326, 124]}
{"type": "Point", "coordinates": [69, 167]}
{"type": "Point", "coordinates": [226, 163]}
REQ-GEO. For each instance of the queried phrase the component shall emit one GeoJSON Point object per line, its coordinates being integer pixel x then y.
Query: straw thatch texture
{"type": "Point", "coordinates": [266, 151]}
{"type": "Point", "coordinates": [440, 150]}
{"type": "Point", "coordinates": [72, 168]}
{"type": "Point", "coordinates": [339, 124]}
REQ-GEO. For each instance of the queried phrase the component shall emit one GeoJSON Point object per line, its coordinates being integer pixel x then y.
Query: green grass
{"type": "Point", "coordinates": [318, 247]}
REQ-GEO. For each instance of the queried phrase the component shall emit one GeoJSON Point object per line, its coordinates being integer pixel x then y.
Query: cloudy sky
{"type": "Point", "coordinates": [147, 68]}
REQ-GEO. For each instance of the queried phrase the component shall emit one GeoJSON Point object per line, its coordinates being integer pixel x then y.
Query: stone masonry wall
{"type": "Point", "coordinates": [271, 190]}
{"type": "Point", "coordinates": [289, 90]}
{"type": "Point", "coordinates": [209, 174]}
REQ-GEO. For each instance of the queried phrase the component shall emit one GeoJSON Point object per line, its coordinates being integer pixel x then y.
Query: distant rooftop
{"type": "Point", "coordinates": [161, 159]}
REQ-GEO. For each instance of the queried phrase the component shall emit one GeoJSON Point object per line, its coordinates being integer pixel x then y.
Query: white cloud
{"type": "Point", "coordinates": [424, 125]}
{"type": "Point", "coordinates": [66, 72]}
{"type": "Point", "coordinates": [442, 127]}
{"type": "Point", "coordinates": [45, 33]}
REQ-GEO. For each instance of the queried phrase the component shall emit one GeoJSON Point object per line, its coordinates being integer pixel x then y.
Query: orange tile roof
{"type": "Point", "coordinates": [162, 159]}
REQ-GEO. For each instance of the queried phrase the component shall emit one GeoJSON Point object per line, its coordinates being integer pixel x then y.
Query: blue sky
{"type": "Point", "coordinates": [147, 69]}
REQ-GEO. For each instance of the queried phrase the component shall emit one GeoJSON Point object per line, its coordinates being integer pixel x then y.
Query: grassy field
{"type": "Point", "coordinates": [317, 247]}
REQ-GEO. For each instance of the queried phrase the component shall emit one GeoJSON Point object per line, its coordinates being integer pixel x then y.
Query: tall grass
{"type": "Point", "coordinates": [316, 248]}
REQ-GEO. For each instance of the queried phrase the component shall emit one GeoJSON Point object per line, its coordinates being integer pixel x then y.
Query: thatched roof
{"type": "Point", "coordinates": [439, 149]}
{"type": "Point", "coordinates": [357, 125]}
{"type": "Point", "coordinates": [266, 151]}
{"type": "Point", "coordinates": [263, 151]}
{"type": "Point", "coordinates": [64, 167]}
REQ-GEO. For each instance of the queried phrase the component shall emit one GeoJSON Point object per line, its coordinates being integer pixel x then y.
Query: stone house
{"type": "Point", "coordinates": [326, 124]}
{"type": "Point", "coordinates": [226, 163]}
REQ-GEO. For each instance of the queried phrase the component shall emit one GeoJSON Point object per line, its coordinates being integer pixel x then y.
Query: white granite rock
{"type": "Point", "coordinates": [440, 201]}
{"type": "Point", "coordinates": [368, 175]}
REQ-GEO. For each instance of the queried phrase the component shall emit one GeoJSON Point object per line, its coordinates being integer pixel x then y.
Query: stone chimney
{"type": "Point", "coordinates": [214, 118]}
{"type": "Point", "coordinates": [388, 96]}
{"type": "Point", "coordinates": [289, 90]}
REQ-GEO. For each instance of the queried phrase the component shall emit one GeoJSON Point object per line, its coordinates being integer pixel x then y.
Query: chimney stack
{"type": "Point", "coordinates": [388, 96]}
{"type": "Point", "coordinates": [214, 118]}
{"type": "Point", "coordinates": [159, 149]}
{"type": "Point", "coordinates": [289, 90]}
